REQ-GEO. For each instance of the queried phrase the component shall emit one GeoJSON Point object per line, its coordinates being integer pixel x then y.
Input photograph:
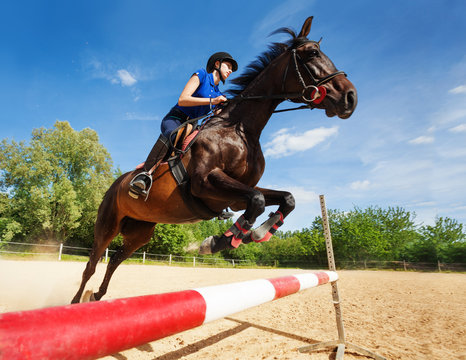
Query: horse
{"type": "Point", "coordinates": [226, 162]}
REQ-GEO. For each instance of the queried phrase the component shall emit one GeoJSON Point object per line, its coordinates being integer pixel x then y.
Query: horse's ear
{"type": "Point", "coordinates": [306, 27]}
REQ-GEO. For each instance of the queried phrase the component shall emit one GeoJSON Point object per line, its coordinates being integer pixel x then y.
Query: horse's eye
{"type": "Point", "coordinates": [313, 53]}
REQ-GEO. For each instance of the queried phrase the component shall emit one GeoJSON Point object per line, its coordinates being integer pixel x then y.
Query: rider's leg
{"type": "Point", "coordinates": [142, 182]}
{"type": "Point", "coordinates": [140, 185]}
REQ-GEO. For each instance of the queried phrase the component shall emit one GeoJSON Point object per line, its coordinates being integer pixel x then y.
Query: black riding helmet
{"type": "Point", "coordinates": [220, 56]}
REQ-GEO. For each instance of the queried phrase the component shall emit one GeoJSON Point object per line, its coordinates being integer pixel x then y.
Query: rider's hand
{"type": "Point", "coordinates": [219, 100]}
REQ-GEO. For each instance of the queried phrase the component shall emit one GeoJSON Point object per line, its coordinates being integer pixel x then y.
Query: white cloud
{"type": "Point", "coordinates": [285, 143]}
{"type": "Point", "coordinates": [459, 128]}
{"type": "Point", "coordinates": [125, 78]}
{"type": "Point", "coordinates": [455, 112]}
{"type": "Point", "coordinates": [360, 185]}
{"type": "Point", "coordinates": [302, 195]}
{"type": "Point", "coordinates": [107, 71]}
{"type": "Point", "coordinates": [143, 117]}
{"type": "Point", "coordinates": [458, 90]}
{"type": "Point", "coordinates": [422, 140]}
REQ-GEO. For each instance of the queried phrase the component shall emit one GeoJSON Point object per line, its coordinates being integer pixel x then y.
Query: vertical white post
{"type": "Point", "coordinates": [106, 255]}
{"type": "Point", "coordinates": [170, 260]}
{"type": "Point", "coordinates": [60, 251]}
{"type": "Point", "coordinates": [194, 261]}
{"type": "Point", "coordinates": [233, 262]}
{"type": "Point", "coordinates": [144, 257]}
{"type": "Point", "coordinates": [332, 267]}
{"type": "Point", "coordinates": [341, 343]}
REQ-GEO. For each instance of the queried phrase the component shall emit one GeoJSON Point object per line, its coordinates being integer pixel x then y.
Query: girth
{"type": "Point", "coordinates": [181, 176]}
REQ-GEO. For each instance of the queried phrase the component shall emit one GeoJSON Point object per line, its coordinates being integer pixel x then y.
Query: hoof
{"type": "Point", "coordinates": [88, 296]}
{"type": "Point", "coordinates": [206, 246]}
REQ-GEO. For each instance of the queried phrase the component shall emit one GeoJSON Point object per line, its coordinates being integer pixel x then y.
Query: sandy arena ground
{"type": "Point", "coordinates": [399, 315]}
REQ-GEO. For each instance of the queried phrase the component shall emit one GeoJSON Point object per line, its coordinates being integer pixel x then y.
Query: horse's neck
{"type": "Point", "coordinates": [254, 114]}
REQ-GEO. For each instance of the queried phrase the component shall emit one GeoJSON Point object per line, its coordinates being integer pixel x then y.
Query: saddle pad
{"type": "Point", "coordinates": [188, 139]}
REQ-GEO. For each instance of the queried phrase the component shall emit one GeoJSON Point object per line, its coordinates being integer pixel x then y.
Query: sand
{"type": "Point", "coordinates": [399, 315]}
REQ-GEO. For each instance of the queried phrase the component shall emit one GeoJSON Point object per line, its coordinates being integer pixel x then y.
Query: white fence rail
{"type": "Point", "coordinates": [58, 250]}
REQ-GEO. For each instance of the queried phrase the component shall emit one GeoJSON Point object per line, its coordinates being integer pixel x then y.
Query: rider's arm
{"type": "Point", "coordinates": [186, 98]}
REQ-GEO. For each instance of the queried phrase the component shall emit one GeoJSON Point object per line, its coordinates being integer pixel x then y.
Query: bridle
{"type": "Point", "coordinates": [315, 89]}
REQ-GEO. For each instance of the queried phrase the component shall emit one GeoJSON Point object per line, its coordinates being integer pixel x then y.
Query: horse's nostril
{"type": "Point", "coordinates": [351, 99]}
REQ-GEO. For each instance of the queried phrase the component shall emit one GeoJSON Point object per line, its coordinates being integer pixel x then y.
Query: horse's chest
{"type": "Point", "coordinates": [248, 169]}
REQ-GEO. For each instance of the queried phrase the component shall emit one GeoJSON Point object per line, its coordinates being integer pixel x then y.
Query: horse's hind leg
{"type": "Point", "coordinates": [135, 234]}
{"type": "Point", "coordinates": [104, 232]}
{"type": "Point", "coordinates": [106, 228]}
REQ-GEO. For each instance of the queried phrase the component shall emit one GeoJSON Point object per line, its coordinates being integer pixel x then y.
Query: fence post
{"type": "Point", "coordinates": [233, 262]}
{"type": "Point", "coordinates": [438, 264]}
{"type": "Point", "coordinates": [144, 257]}
{"type": "Point", "coordinates": [106, 255]}
{"type": "Point", "coordinates": [170, 260]}
{"type": "Point", "coordinates": [341, 343]}
{"type": "Point", "coordinates": [194, 261]}
{"type": "Point", "coordinates": [60, 251]}
{"type": "Point", "coordinates": [404, 265]}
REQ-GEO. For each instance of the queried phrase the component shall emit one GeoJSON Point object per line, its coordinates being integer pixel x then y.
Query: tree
{"type": "Point", "coordinates": [167, 239]}
{"type": "Point", "coordinates": [372, 233]}
{"type": "Point", "coordinates": [444, 241]}
{"type": "Point", "coordinates": [9, 227]}
{"type": "Point", "coordinates": [56, 182]}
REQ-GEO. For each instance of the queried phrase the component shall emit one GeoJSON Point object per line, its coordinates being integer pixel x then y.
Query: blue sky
{"type": "Point", "coordinates": [118, 67]}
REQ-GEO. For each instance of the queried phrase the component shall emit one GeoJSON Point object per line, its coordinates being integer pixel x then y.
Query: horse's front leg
{"type": "Point", "coordinates": [286, 203]}
{"type": "Point", "coordinates": [220, 186]}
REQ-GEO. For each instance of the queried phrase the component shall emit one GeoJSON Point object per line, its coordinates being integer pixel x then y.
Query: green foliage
{"type": "Point", "coordinates": [55, 183]}
{"type": "Point", "coordinates": [52, 186]}
{"type": "Point", "coordinates": [167, 239]}
{"type": "Point", "coordinates": [283, 251]}
{"type": "Point", "coordinates": [444, 241]}
{"type": "Point", "coordinates": [9, 227]}
{"type": "Point", "coordinates": [199, 231]}
{"type": "Point", "coordinates": [372, 233]}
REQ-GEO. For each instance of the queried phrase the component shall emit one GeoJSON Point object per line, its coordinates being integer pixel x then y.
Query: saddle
{"type": "Point", "coordinates": [183, 138]}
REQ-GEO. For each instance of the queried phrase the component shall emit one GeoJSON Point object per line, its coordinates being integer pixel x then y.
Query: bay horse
{"type": "Point", "coordinates": [226, 161]}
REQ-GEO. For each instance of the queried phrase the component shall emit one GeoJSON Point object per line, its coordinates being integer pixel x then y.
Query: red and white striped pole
{"type": "Point", "coordinates": [92, 330]}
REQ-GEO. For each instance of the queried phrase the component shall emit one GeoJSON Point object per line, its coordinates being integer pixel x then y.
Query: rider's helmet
{"type": "Point", "coordinates": [220, 56]}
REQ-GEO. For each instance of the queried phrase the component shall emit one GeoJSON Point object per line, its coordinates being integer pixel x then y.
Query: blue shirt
{"type": "Point", "coordinates": [206, 89]}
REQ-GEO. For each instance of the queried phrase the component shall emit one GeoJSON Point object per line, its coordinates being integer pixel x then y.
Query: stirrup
{"type": "Point", "coordinates": [135, 188]}
{"type": "Point", "coordinates": [225, 215]}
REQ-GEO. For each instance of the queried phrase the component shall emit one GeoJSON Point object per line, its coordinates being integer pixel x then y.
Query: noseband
{"type": "Point", "coordinates": [316, 83]}
{"type": "Point", "coordinates": [315, 89]}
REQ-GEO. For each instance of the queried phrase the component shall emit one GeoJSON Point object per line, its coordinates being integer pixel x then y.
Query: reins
{"type": "Point", "coordinates": [316, 91]}
{"type": "Point", "coordinates": [316, 94]}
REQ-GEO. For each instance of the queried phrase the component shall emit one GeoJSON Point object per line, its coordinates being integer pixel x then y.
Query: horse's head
{"type": "Point", "coordinates": [309, 68]}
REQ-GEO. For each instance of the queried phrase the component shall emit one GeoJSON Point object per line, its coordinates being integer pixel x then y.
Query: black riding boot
{"type": "Point", "coordinates": [142, 182]}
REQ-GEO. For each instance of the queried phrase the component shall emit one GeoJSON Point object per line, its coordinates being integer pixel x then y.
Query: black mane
{"type": "Point", "coordinates": [257, 66]}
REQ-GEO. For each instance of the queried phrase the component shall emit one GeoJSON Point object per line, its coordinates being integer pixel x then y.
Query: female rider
{"type": "Point", "coordinates": [199, 95]}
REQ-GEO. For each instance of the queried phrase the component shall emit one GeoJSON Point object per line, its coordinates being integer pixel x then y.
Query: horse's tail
{"type": "Point", "coordinates": [107, 222]}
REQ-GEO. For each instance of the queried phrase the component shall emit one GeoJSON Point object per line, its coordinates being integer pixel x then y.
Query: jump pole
{"type": "Point", "coordinates": [92, 330]}
{"type": "Point", "coordinates": [341, 343]}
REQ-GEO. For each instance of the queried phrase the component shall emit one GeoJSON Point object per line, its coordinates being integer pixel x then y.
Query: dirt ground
{"type": "Point", "coordinates": [399, 315]}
